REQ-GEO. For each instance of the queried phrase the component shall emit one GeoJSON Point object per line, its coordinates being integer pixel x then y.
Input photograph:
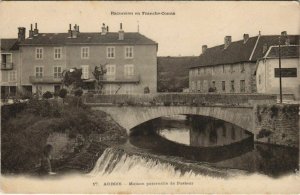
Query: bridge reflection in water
{"type": "Point", "coordinates": [204, 139]}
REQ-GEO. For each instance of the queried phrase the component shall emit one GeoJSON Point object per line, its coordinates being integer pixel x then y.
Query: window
{"type": "Point", "coordinates": [57, 53]}
{"type": "Point", "coordinates": [199, 71]}
{"type": "Point", "coordinates": [232, 86]}
{"type": "Point", "coordinates": [285, 72]}
{"type": "Point", "coordinates": [129, 52]}
{"type": "Point", "coordinates": [57, 70]}
{"type": "Point", "coordinates": [111, 71]}
{"type": "Point", "coordinates": [110, 89]}
{"type": "Point", "coordinates": [199, 85]}
{"type": "Point", "coordinates": [204, 70]}
{"type": "Point", "coordinates": [224, 131]}
{"type": "Point", "coordinates": [223, 69]}
{"type": "Point", "coordinates": [39, 53]}
{"type": "Point", "coordinates": [85, 53]}
{"type": "Point", "coordinates": [223, 86]}
{"type": "Point", "coordinates": [242, 66]}
{"type": "Point", "coordinates": [129, 70]}
{"type": "Point", "coordinates": [231, 68]}
{"type": "Point", "coordinates": [6, 61]}
{"type": "Point", "coordinates": [39, 71]}
{"type": "Point", "coordinates": [12, 76]}
{"type": "Point", "coordinates": [259, 79]}
{"type": "Point", "coordinates": [110, 52]}
{"type": "Point", "coordinates": [193, 85]}
{"type": "Point", "coordinates": [85, 71]}
{"type": "Point", "coordinates": [213, 70]}
{"type": "Point", "coordinates": [213, 83]}
{"type": "Point", "coordinates": [242, 85]}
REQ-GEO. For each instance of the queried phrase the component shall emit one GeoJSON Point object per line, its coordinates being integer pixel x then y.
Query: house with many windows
{"type": "Point", "coordinates": [230, 67]}
{"type": "Point", "coordinates": [130, 59]}
{"type": "Point", "coordinates": [10, 64]}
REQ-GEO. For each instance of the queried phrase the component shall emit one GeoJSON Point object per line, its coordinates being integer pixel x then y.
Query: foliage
{"type": "Point", "coordinates": [47, 95]}
{"type": "Point", "coordinates": [72, 77]}
{"type": "Point", "coordinates": [78, 92]}
{"type": "Point", "coordinates": [24, 136]}
{"type": "Point", "coordinates": [263, 133]}
{"type": "Point", "coordinates": [62, 93]}
{"type": "Point", "coordinates": [98, 73]}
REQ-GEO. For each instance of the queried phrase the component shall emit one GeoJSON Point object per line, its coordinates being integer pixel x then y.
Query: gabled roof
{"type": "Point", "coordinates": [239, 51]}
{"type": "Point", "coordinates": [290, 51]}
{"type": "Point", "coordinates": [132, 38]}
{"type": "Point", "coordinates": [9, 44]}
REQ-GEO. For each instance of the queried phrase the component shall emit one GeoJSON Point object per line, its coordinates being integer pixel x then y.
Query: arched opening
{"type": "Point", "coordinates": [193, 137]}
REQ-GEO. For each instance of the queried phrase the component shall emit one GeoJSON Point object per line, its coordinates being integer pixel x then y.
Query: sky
{"type": "Point", "coordinates": [193, 25]}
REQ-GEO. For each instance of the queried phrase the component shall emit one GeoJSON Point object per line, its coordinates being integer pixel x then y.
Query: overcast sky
{"type": "Point", "coordinates": [194, 23]}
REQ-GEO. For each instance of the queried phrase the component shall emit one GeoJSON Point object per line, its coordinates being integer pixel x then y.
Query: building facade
{"type": "Point", "coordinates": [130, 60]}
{"type": "Point", "coordinates": [231, 67]}
{"type": "Point", "coordinates": [267, 71]}
{"type": "Point", "coordinates": [10, 65]}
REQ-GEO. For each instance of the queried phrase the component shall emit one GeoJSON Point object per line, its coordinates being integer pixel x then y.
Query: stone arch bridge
{"type": "Point", "coordinates": [131, 110]}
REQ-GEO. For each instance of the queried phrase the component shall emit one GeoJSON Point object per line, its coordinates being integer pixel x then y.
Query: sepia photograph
{"type": "Point", "coordinates": [150, 97]}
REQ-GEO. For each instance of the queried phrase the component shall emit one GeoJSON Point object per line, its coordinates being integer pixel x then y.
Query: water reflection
{"type": "Point", "coordinates": [199, 131]}
{"type": "Point", "coordinates": [203, 139]}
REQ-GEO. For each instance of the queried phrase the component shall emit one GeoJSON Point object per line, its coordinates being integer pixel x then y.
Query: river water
{"type": "Point", "coordinates": [192, 145]}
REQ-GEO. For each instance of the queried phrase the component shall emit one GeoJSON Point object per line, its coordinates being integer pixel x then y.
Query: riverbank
{"type": "Point", "coordinates": [78, 136]}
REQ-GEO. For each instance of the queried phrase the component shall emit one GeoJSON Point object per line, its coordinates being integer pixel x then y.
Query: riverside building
{"type": "Point", "coordinates": [129, 57]}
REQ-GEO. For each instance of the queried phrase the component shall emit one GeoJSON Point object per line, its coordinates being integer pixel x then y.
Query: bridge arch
{"type": "Point", "coordinates": [130, 117]}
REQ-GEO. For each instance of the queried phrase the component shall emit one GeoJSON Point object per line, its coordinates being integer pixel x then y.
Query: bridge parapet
{"type": "Point", "coordinates": [180, 99]}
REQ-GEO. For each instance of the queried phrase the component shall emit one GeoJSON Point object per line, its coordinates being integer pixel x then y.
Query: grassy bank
{"type": "Point", "coordinates": [24, 135]}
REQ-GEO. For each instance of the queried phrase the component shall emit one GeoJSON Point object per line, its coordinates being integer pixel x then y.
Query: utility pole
{"type": "Point", "coordinates": [280, 82]}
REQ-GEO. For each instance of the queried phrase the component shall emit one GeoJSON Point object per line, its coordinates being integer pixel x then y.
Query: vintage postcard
{"type": "Point", "coordinates": [150, 97]}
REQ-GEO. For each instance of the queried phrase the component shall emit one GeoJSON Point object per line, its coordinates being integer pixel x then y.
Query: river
{"type": "Point", "coordinates": [185, 146]}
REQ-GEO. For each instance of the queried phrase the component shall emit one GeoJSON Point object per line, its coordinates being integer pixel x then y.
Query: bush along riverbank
{"type": "Point", "coordinates": [78, 135]}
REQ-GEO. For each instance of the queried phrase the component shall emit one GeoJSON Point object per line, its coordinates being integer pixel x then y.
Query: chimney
{"type": "Point", "coordinates": [31, 31]}
{"type": "Point", "coordinates": [246, 37]}
{"type": "Point", "coordinates": [283, 33]}
{"type": "Point", "coordinates": [227, 41]}
{"type": "Point", "coordinates": [121, 32]}
{"type": "Point", "coordinates": [21, 34]}
{"type": "Point", "coordinates": [70, 30]}
{"type": "Point", "coordinates": [204, 48]}
{"type": "Point", "coordinates": [75, 31]}
{"type": "Point", "coordinates": [285, 38]}
{"type": "Point", "coordinates": [107, 29]}
{"type": "Point", "coordinates": [104, 30]}
{"type": "Point", "coordinates": [36, 30]}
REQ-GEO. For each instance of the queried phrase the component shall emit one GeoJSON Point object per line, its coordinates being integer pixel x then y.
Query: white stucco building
{"type": "Point", "coordinates": [267, 71]}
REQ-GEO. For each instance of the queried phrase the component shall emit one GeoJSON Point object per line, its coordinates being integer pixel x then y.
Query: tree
{"type": "Point", "coordinates": [62, 93]}
{"type": "Point", "coordinates": [78, 93]}
{"type": "Point", "coordinates": [98, 73]}
{"type": "Point", "coordinates": [47, 95]}
{"type": "Point", "coordinates": [72, 77]}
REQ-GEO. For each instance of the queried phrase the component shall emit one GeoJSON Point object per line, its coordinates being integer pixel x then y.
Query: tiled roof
{"type": "Point", "coordinates": [88, 38]}
{"type": "Point", "coordinates": [291, 51]}
{"type": "Point", "coordinates": [9, 44]}
{"type": "Point", "coordinates": [239, 51]}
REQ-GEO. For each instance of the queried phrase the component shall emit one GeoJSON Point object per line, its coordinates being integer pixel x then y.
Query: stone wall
{"type": "Point", "coordinates": [277, 124]}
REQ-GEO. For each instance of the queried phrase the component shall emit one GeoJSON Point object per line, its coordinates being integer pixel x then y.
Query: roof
{"type": "Point", "coordinates": [239, 51]}
{"type": "Point", "coordinates": [9, 44]}
{"type": "Point", "coordinates": [291, 51]}
{"type": "Point", "coordinates": [132, 38]}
